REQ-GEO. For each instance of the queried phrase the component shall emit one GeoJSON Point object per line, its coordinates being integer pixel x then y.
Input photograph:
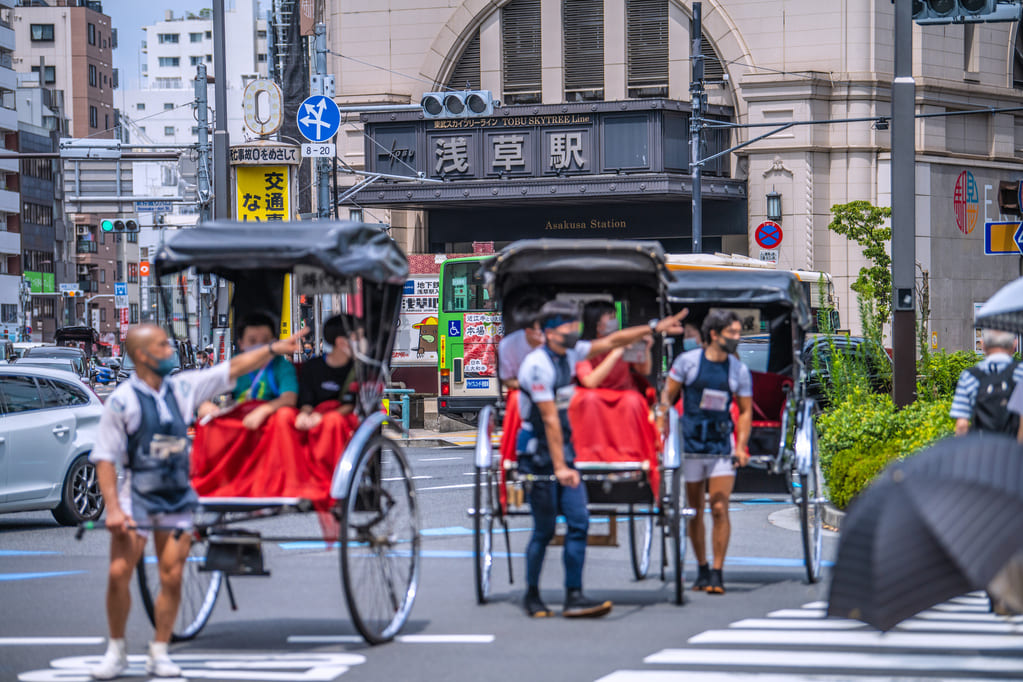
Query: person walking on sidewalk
{"type": "Point", "coordinates": [546, 385]}
{"type": "Point", "coordinates": [981, 399]}
{"type": "Point", "coordinates": [710, 378]}
{"type": "Point", "coordinates": [144, 431]}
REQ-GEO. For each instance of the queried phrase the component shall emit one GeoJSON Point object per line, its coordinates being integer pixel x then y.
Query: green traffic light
{"type": "Point", "coordinates": [106, 225]}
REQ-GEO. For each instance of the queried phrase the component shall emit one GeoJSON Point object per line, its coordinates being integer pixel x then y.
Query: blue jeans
{"type": "Point", "coordinates": [546, 501]}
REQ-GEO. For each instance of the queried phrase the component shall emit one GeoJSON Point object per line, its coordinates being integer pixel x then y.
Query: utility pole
{"type": "Point", "coordinates": [696, 97]}
{"type": "Point", "coordinates": [903, 209]}
{"type": "Point", "coordinates": [203, 189]}
{"type": "Point", "coordinates": [221, 176]}
{"type": "Point", "coordinates": [319, 87]}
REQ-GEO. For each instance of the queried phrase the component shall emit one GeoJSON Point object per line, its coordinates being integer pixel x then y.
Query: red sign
{"type": "Point", "coordinates": [768, 234]}
{"type": "Point", "coordinates": [966, 202]}
{"type": "Point", "coordinates": [124, 316]}
{"type": "Point", "coordinates": [144, 268]}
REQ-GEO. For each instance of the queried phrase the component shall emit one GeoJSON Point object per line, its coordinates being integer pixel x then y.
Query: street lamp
{"type": "Point", "coordinates": [773, 205]}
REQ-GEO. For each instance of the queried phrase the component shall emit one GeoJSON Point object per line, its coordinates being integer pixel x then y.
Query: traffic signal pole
{"type": "Point", "coordinates": [203, 190]}
{"type": "Point", "coordinates": [696, 92]}
{"type": "Point", "coordinates": [322, 164]}
{"type": "Point", "coordinates": [903, 209]}
{"type": "Point", "coordinates": [221, 177]}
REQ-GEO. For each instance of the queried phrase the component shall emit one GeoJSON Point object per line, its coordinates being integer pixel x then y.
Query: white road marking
{"type": "Point", "coordinates": [402, 478]}
{"type": "Point", "coordinates": [705, 676]}
{"type": "Point", "coordinates": [404, 639]}
{"type": "Point", "coordinates": [439, 459]}
{"type": "Point", "coordinates": [446, 487]}
{"type": "Point", "coordinates": [797, 624]}
{"type": "Point", "coordinates": [283, 667]}
{"type": "Point", "coordinates": [816, 605]}
{"type": "Point", "coordinates": [986, 617]}
{"type": "Point", "coordinates": [889, 663]}
{"type": "Point", "coordinates": [48, 641]}
{"type": "Point", "coordinates": [798, 613]}
{"type": "Point", "coordinates": [962, 608]}
{"type": "Point", "coordinates": [900, 640]}
{"type": "Point", "coordinates": [934, 625]}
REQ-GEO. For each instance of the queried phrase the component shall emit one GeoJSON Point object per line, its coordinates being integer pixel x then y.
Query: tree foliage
{"type": "Point", "coordinates": [865, 224]}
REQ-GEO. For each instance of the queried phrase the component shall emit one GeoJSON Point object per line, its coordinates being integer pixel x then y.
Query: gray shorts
{"type": "Point", "coordinates": [699, 469]}
{"type": "Point", "coordinates": [182, 520]}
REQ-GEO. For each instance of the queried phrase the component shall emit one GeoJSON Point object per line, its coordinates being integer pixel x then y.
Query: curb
{"type": "Point", "coordinates": [426, 443]}
{"type": "Point", "coordinates": [832, 516]}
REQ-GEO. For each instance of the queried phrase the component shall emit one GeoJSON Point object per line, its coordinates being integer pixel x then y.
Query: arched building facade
{"type": "Point", "coordinates": [621, 70]}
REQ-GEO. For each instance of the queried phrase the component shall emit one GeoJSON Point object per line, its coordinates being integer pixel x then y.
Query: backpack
{"type": "Point", "coordinates": [990, 410]}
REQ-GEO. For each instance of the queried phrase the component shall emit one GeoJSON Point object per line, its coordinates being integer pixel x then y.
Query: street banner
{"type": "Point", "coordinates": [416, 340]}
{"type": "Point", "coordinates": [263, 193]}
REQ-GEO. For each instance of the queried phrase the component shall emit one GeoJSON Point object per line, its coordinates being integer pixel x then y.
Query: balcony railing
{"type": "Point", "coordinates": [83, 246]}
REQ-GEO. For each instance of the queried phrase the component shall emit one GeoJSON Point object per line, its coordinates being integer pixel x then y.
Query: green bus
{"type": "Point", "coordinates": [469, 329]}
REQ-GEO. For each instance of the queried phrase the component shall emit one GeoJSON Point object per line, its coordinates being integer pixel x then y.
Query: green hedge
{"type": "Point", "coordinates": [863, 434]}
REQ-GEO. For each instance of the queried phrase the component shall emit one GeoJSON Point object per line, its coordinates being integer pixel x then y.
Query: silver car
{"type": "Point", "coordinates": [47, 429]}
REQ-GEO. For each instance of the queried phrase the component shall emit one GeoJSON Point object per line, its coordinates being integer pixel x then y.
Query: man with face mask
{"type": "Point", "coordinates": [546, 384]}
{"type": "Point", "coordinates": [711, 377]}
{"type": "Point", "coordinates": [514, 348]}
{"type": "Point", "coordinates": [144, 431]}
{"type": "Point", "coordinates": [330, 377]}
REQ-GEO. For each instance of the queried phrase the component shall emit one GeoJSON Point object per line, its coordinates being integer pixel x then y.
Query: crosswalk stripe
{"type": "Point", "coordinates": [797, 624]}
{"type": "Point", "coordinates": [952, 617]}
{"type": "Point", "coordinates": [705, 676]}
{"type": "Point", "coordinates": [816, 605]}
{"type": "Point", "coordinates": [893, 640]}
{"type": "Point", "coordinates": [832, 660]}
{"type": "Point", "coordinates": [798, 613]}
{"type": "Point", "coordinates": [952, 626]}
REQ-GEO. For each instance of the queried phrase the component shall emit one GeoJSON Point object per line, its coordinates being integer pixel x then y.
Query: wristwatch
{"type": "Point", "coordinates": [653, 325]}
{"type": "Point", "coordinates": [270, 347]}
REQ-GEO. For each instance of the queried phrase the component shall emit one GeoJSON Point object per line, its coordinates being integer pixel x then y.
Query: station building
{"type": "Point", "coordinates": [590, 137]}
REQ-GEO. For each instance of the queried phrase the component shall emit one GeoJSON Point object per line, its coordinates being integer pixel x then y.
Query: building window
{"type": "Point", "coordinates": [195, 131]}
{"type": "Point", "coordinates": [42, 33]}
{"type": "Point", "coordinates": [102, 275]}
{"type": "Point", "coordinates": [120, 272]}
{"type": "Point", "coordinates": [106, 121]}
{"type": "Point", "coordinates": [646, 25]}
{"type": "Point", "coordinates": [713, 68]}
{"type": "Point", "coordinates": [195, 60]}
{"type": "Point", "coordinates": [169, 83]}
{"type": "Point", "coordinates": [49, 75]}
{"type": "Point", "coordinates": [9, 313]}
{"type": "Point", "coordinates": [467, 71]}
{"type": "Point", "coordinates": [209, 35]}
{"type": "Point", "coordinates": [142, 129]}
{"type": "Point", "coordinates": [90, 31]}
{"type": "Point", "coordinates": [102, 312]}
{"type": "Point", "coordinates": [167, 106]}
{"type": "Point", "coordinates": [93, 117]}
{"type": "Point", "coordinates": [195, 37]}
{"type": "Point", "coordinates": [520, 33]}
{"type": "Point", "coordinates": [141, 106]}
{"type": "Point", "coordinates": [261, 34]}
{"type": "Point", "coordinates": [92, 75]}
{"type": "Point", "coordinates": [1017, 58]}
{"type": "Point", "coordinates": [167, 38]}
{"type": "Point", "coordinates": [133, 313]}
{"type": "Point", "coordinates": [37, 214]}
{"type": "Point", "coordinates": [168, 130]}
{"type": "Point", "coordinates": [261, 57]}
{"type": "Point", "coordinates": [209, 59]}
{"type": "Point", "coordinates": [583, 49]}
{"type": "Point", "coordinates": [133, 272]}
{"type": "Point", "coordinates": [170, 61]}
{"type": "Point", "coordinates": [133, 237]}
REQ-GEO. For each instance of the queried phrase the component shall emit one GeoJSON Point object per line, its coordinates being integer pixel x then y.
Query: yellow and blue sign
{"type": "Point", "coordinates": [1003, 238]}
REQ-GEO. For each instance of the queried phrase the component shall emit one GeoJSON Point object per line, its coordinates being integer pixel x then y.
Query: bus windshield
{"type": "Point", "coordinates": [464, 291]}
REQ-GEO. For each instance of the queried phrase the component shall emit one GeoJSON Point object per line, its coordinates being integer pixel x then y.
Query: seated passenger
{"type": "Point", "coordinates": [330, 377]}
{"type": "Point", "coordinates": [611, 370]}
{"type": "Point", "coordinates": [275, 382]}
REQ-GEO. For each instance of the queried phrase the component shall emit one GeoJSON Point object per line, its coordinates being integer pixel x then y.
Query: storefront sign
{"type": "Point", "coordinates": [481, 332]}
{"type": "Point", "coordinates": [265, 153]}
{"type": "Point", "coordinates": [417, 337]}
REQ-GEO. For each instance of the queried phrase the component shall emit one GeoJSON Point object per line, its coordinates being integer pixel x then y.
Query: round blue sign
{"type": "Point", "coordinates": [318, 118]}
{"type": "Point", "coordinates": [768, 234]}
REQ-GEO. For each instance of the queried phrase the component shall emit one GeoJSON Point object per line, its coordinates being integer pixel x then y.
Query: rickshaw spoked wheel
{"type": "Point", "coordinates": [199, 590]}
{"type": "Point", "coordinates": [379, 542]}
{"type": "Point", "coordinates": [485, 502]}
{"type": "Point", "coordinates": [641, 539]}
{"type": "Point", "coordinates": [811, 513]}
{"type": "Point", "coordinates": [677, 545]}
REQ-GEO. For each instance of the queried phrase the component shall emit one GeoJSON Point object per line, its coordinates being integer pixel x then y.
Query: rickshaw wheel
{"type": "Point", "coordinates": [678, 539]}
{"type": "Point", "coordinates": [641, 539]}
{"type": "Point", "coordinates": [199, 590]}
{"type": "Point", "coordinates": [485, 505]}
{"type": "Point", "coordinates": [379, 542]}
{"type": "Point", "coordinates": [810, 514]}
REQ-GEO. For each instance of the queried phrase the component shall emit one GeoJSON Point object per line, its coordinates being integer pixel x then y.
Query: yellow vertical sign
{"type": "Point", "coordinates": [263, 193]}
{"type": "Point", "coordinates": [286, 308]}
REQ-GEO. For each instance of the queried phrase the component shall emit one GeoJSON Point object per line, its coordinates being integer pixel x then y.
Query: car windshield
{"type": "Point", "coordinates": [53, 363]}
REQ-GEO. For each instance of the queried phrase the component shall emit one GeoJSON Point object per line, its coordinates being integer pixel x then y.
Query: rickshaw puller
{"type": "Point", "coordinates": [144, 428]}
{"type": "Point", "coordinates": [710, 378]}
{"type": "Point", "coordinates": [545, 448]}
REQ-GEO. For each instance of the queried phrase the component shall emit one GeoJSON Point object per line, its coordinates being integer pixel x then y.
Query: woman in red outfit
{"type": "Point", "coordinates": [613, 370]}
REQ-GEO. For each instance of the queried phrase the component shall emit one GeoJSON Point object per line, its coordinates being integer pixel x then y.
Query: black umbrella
{"type": "Point", "coordinates": [1004, 310]}
{"type": "Point", "coordinates": [931, 527]}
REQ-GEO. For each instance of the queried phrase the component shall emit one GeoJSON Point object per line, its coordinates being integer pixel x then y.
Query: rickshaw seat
{"type": "Point", "coordinates": [769, 391]}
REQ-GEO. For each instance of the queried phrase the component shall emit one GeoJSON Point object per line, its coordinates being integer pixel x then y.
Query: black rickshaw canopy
{"type": "Point", "coordinates": [227, 248]}
{"type": "Point", "coordinates": [769, 289]}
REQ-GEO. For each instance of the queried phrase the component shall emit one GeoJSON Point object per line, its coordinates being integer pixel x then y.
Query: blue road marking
{"type": "Point", "coordinates": [4, 577]}
{"type": "Point", "coordinates": [25, 552]}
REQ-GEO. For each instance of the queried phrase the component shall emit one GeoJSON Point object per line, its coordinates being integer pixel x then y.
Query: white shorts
{"type": "Point", "coordinates": [702, 468]}
{"type": "Point", "coordinates": [182, 520]}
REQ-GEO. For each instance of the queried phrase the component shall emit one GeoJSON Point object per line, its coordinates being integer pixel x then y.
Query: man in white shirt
{"type": "Point", "coordinates": [514, 348]}
{"type": "Point", "coordinates": [143, 430]}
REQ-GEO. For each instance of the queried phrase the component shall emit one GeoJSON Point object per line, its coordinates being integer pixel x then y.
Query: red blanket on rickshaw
{"type": "Point", "coordinates": [607, 426]}
{"type": "Point", "coordinates": [276, 460]}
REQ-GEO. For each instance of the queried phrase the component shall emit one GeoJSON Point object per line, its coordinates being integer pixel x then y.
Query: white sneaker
{"type": "Point", "coordinates": [159, 664]}
{"type": "Point", "coordinates": [114, 662]}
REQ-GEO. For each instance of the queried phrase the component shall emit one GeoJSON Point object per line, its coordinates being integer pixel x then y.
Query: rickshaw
{"type": "Point", "coordinates": [645, 490]}
{"type": "Point", "coordinates": [370, 490]}
{"type": "Point", "coordinates": [774, 313]}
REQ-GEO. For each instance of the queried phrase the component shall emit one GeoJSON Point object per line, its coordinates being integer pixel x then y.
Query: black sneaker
{"type": "Point", "coordinates": [535, 607]}
{"type": "Point", "coordinates": [702, 581]}
{"type": "Point", "coordinates": [717, 582]}
{"type": "Point", "coordinates": [578, 606]}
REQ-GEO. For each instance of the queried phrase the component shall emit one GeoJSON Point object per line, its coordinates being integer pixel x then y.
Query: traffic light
{"type": "Point", "coordinates": [458, 104]}
{"type": "Point", "coordinates": [963, 11]}
{"type": "Point", "coordinates": [70, 294]}
{"type": "Point", "coordinates": [119, 224]}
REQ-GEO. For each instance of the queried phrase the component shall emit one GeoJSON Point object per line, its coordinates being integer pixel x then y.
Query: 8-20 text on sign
{"type": "Point", "coordinates": [318, 149]}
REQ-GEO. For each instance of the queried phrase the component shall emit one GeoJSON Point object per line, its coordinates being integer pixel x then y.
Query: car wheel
{"type": "Point", "coordinates": [80, 498]}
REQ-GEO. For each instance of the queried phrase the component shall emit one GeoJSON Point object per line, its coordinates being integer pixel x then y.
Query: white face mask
{"type": "Point", "coordinates": [327, 348]}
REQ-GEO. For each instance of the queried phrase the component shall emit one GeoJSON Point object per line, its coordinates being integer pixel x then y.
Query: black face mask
{"type": "Point", "coordinates": [729, 345]}
{"type": "Point", "coordinates": [570, 339]}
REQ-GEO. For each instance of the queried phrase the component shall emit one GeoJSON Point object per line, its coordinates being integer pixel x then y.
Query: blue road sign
{"type": "Point", "coordinates": [454, 328]}
{"type": "Point", "coordinates": [120, 288]}
{"type": "Point", "coordinates": [318, 118]}
{"type": "Point", "coordinates": [1018, 238]}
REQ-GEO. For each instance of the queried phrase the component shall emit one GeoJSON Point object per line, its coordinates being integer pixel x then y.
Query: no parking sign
{"type": "Point", "coordinates": [768, 234]}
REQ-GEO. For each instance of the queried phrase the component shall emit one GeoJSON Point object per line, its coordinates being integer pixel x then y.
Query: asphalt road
{"type": "Point", "coordinates": [294, 625]}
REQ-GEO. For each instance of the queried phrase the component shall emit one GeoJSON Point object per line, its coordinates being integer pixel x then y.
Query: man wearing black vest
{"type": "Point", "coordinates": [144, 432]}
